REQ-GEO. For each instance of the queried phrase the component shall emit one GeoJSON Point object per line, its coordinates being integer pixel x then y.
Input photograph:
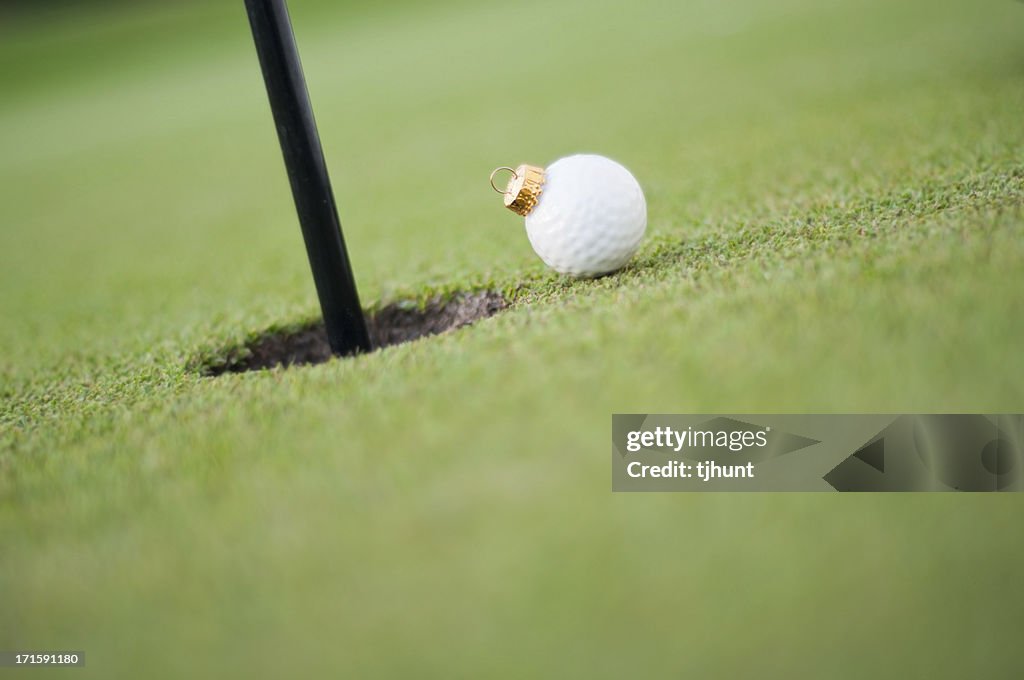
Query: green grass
{"type": "Point", "coordinates": [836, 223]}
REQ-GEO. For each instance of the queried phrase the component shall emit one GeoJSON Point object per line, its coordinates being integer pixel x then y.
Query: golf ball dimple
{"type": "Point", "coordinates": [590, 216]}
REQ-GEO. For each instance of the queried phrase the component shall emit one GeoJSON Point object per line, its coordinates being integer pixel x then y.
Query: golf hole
{"type": "Point", "coordinates": [393, 324]}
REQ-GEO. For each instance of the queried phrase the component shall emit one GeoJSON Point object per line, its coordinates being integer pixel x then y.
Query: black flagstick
{"type": "Point", "coordinates": [307, 172]}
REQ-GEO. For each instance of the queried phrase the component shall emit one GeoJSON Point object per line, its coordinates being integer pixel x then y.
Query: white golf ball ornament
{"type": "Point", "coordinates": [585, 214]}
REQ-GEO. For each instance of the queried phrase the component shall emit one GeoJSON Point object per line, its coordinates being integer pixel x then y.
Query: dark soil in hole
{"type": "Point", "coordinates": [391, 325]}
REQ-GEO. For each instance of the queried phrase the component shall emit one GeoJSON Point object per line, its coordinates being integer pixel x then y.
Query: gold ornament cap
{"type": "Point", "coordinates": [524, 188]}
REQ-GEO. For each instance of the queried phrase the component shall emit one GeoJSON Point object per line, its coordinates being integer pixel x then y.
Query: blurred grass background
{"type": "Point", "coordinates": [835, 224]}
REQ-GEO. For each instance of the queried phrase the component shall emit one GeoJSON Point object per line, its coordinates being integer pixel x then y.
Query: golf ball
{"type": "Point", "coordinates": [589, 218]}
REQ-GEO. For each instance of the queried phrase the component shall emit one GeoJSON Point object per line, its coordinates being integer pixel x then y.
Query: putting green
{"type": "Point", "coordinates": [836, 223]}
